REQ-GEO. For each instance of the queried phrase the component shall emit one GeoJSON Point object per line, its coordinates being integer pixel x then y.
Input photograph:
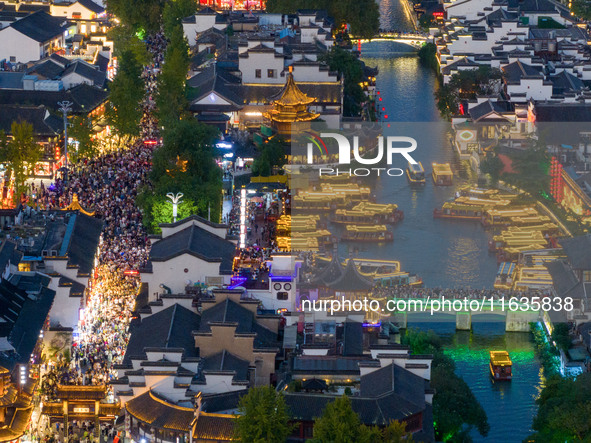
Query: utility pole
{"type": "Point", "coordinates": [65, 107]}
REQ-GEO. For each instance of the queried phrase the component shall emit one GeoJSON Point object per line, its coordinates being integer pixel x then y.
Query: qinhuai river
{"type": "Point", "coordinates": [446, 253]}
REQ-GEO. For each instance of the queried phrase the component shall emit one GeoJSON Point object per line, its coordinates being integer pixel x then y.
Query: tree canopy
{"type": "Point", "coordinates": [455, 408]}
{"type": "Point", "coordinates": [185, 163]}
{"type": "Point", "coordinates": [263, 417]}
{"type": "Point", "coordinates": [493, 166]}
{"type": "Point", "coordinates": [271, 157]}
{"type": "Point", "coordinates": [466, 84]}
{"type": "Point", "coordinates": [340, 423]}
{"type": "Point", "coordinates": [127, 90]}
{"type": "Point", "coordinates": [362, 15]}
{"type": "Point", "coordinates": [137, 14]}
{"type": "Point", "coordinates": [124, 38]}
{"type": "Point", "coordinates": [81, 131]}
{"type": "Point", "coordinates": [564, 408]}
{"type": "Point", "coordinates": [347, 64]}
{"type": "Point", "coordinates": [532, 166]}
{"type": "Point", "coordinates": [171, 100]}
{"type": "Point", "coordinates": [21, 152]}
{"type": "Point", "coordinates": [582, 9]}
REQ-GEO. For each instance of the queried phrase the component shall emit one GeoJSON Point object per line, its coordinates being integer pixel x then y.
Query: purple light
{"type": "Point", "coordinates": [237, 281]}
{"type": "Point", "coordinates": [372, 325]}
{"type": "Point", "coordinates": [281, 277]}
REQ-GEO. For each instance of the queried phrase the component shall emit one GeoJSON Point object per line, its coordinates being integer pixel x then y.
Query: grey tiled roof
{"type": "Point", "coordinates": [84, 97]}
{"type": "Point", "coordinates": [169, 328]}
{"type": "Point", "coordinates": [222, 402]}
{"type": "Point", "coordinates": [87, 71]}
{"type": "Point", "coordinates": [29, 320]}
{"type": "Point", "coordinates": [515, 71]}
{"type": "Point", "coordinates": [84, 242]}
{"type": "Point", "coordinates": [224, 361]}
{"type": "Point", "coordinates": [44, 124]}
{"type": "Point", "coordinates": [198, 242]}
{"type": "Point", "coordinates": [229, 311]}
{"type": "Point", "coordinates": [40, 26]}
{"type": "Point", "coordinates": [578, 251]}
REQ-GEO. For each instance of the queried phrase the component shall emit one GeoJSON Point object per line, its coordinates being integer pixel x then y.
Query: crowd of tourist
{"type": "Point", "coordinates": [108, 185]}
{"type": "Point", "coordinates": [156, 45]}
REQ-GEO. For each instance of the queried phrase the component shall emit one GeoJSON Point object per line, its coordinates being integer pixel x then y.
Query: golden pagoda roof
{"type": "Point", "coordinates": [75, 206]}
{"type": "Point", "coordinates": [292, 95]}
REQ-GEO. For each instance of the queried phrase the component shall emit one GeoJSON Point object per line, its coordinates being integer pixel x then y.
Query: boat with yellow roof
{"type": "Point", "coordinates": [367, 233]}
{"type": "Point", "coordinates": [442, 174]}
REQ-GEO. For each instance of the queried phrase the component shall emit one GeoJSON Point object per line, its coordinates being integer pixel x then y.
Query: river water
{"type": "Point", "coordinates": [445, 253]}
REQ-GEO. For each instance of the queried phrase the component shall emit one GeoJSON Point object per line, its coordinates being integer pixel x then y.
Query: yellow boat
{"type": "Point", "coordinates": [367, 233]}
{"type": "Point", "coordinates": [442, 174]}
{"type": "Point", "coordinates": [500, 365]}
{"type": "Point", "coordinates": [415, 174]}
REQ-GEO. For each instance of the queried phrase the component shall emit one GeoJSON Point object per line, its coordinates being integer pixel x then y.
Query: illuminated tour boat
{"type": "Point", "coordinates": [416, 174]}
{"type": "Point", "coordinates": [500, 365]}
{"type": "Point", "coordinates": [442, 174]}
{"type": "Point", "coordinates": [366, 213]}
{"type": "Point", "coordinates": [367, 233]}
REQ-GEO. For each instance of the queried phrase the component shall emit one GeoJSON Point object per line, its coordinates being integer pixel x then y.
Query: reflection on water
{"type": "Point", "coordinates": [446, 253]}
{"type": "Point", "coordinates": [509, 406]}
{"type": "Point", "coordinates": [394, 17]}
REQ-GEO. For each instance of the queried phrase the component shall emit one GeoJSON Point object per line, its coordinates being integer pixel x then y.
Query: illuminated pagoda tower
{"type": "Point", "coordinates": [291, 107]}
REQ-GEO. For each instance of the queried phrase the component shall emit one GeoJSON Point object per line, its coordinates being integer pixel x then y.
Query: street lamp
{"type": "Point", "coordinates": [65, 107]}
{"type": "Point", "coordinates": [175, 199]}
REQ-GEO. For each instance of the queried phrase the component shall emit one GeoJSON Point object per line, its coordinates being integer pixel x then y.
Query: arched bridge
{"type": "Point", "coordinates": [414, 40]}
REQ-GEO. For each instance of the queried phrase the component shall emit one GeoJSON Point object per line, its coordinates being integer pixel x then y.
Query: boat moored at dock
{"type": "Point", "coordinates": [442, 174]}
{"type": "Point", "coordinates": [367, 233]}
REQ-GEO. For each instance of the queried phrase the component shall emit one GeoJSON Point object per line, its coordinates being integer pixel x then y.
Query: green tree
{"type": "Point", "coordinates": [162, 212]}
{"type": "Point", "coordinates": [564, 408]}
{"type": "Point", "coordinates": [175, 11]}
{"type": "Point", "coordinates": [21, 152]}
{"type": "Point", "coordinates": [426, 21]}
{"type": "Point", "coordinates": [582, 9]}
{"type": "Point", "coordinates": [532, 167]}
{"type": "Point", "coordinates": [271, 158]}
{"type": "Point", "coordinates": [127, 90]}
{"type": "Point", "coordinates": [362, 15]}
{"type": "Point", "coordinates": [347, 64]}
{"type": "Point", "coordinates": [428, 56]}
{"type": "Point", "coordinates": [560, 334]}
{"type": "Point", "coordinates": [448, 101]}
{"type": "Point", "coordinates": [124, 39]}
{"type": "Point", "coordinates": [137, 14]}
{"type": "Point", "coordinates": [471, 82]}
{"type": "Point", "coordinates": [263, 417]}
{"type": "Point", "coordinates": [395, 432]}
{"type": "Point", "coordinates": [185, 163]}
{"type": "Point", "coordinates": [493, 166]}
{"type": "Point", "coordinates": [340, 424]}
{"type": "Point", "coordinates": [82, 132]}
{"type": "Point", "coordinates": [171, 100]}
{"type": "Point", "coordinates": [455, 408]}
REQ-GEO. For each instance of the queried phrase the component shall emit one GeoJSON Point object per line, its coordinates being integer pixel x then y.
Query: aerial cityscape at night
{"type": "Point", "coordinates": [289, 220]}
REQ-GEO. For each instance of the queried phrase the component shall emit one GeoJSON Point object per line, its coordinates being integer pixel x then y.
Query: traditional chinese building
{"type": "Point", "coordinates": [85, 403]}
{"type": "Point", "coordinates": [153, 418]}
{"type": "Point", "coordinates": [15, 406]}
{"type": "Point", "coordinates": [290, 107]}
